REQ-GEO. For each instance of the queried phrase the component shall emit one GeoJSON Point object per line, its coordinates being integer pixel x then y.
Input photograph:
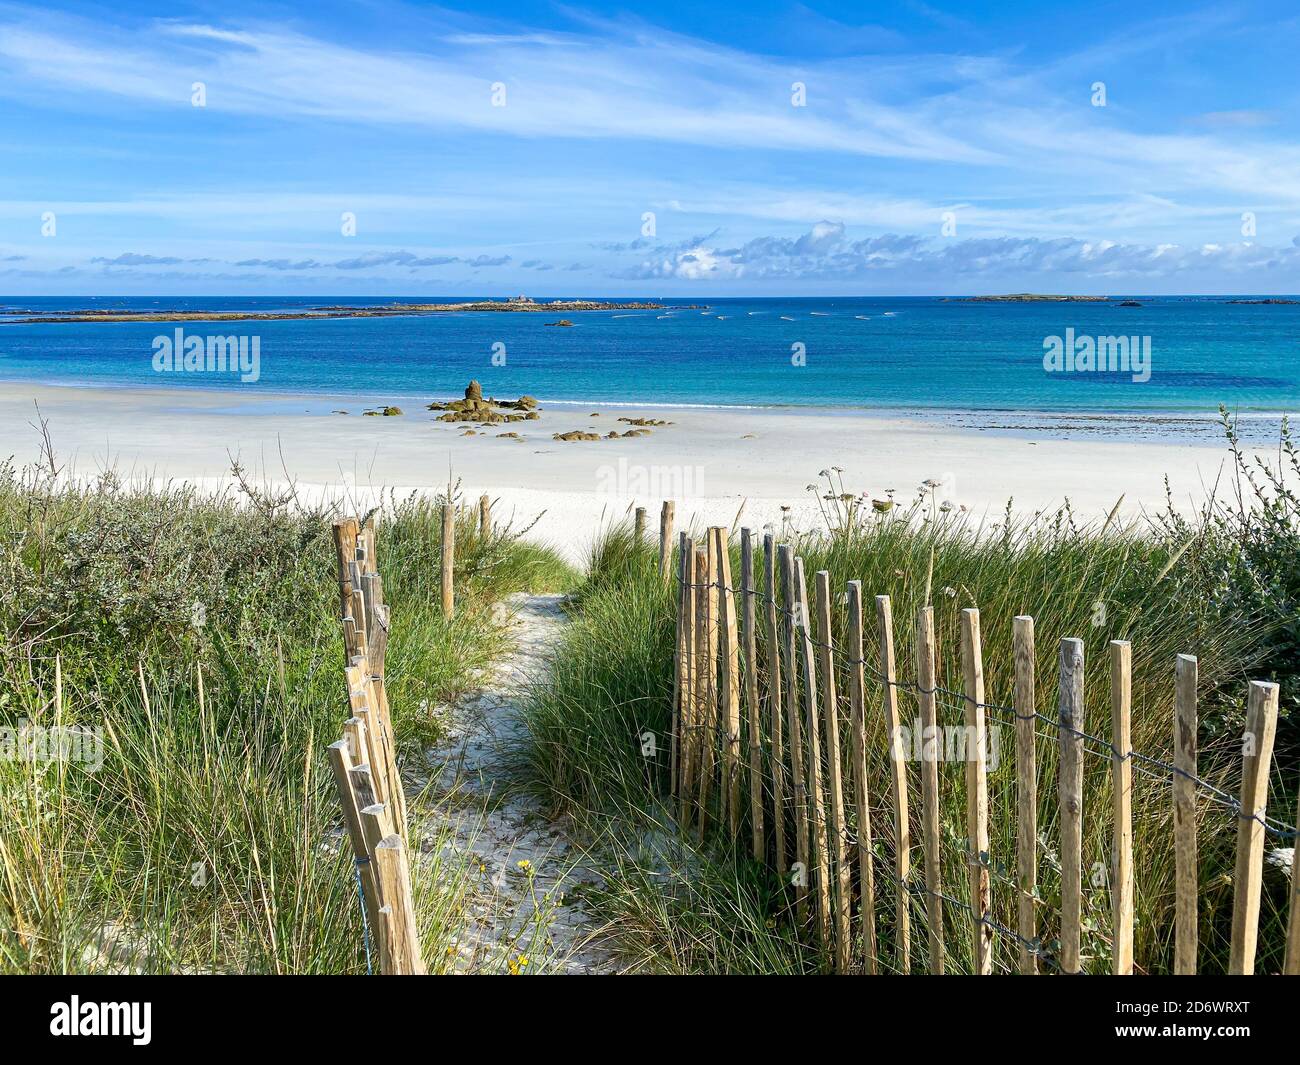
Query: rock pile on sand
{"type": "Point", "coordinates": [474, 408]}
{"type": "Point", "coordinates": [613, 434]}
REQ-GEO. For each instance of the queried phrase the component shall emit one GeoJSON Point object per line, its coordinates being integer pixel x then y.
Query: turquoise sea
{"type": "Point", "coordinates": [922, 353]}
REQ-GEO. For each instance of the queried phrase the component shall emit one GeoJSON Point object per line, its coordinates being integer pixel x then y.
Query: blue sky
{"type": "Point", "coordinates": [935, 148]}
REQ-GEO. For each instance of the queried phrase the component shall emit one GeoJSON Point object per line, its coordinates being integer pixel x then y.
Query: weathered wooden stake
{"type": "Point", "coordinates": [776, 726]}
{"type": "Point", "coordinates": [679, 658]}
{"type": "Point", "coordinates": [930, 745]}
{"type": "Point", "coordinates": [800, 871]}
{"type": "Point", "coordinates": [345, 548]}
{"type": "Point", "coordinates": [816, 796]}
{"type": "Point", "coordinates": [749, 632]}
{"type": "Point", "coordinates": [341, 763]}
{"type": "Point", "coordinates": [448, 559]}
{"type": "Point", "coordinates": [666, 513]}
{"type": "Point", "coordinates": [839, 831]}
{"type": "Point", "coordinates": [687, 738]}
{"type": "Point", "coordinates": [1256, 760]}
{"type": "Point", "coordinates": [1186, 906]}
{"type": "Point", "coordinates": [399, 934]}
{"type": "Point", "coordinates": [1026, 705]}
{"type": "Point", "coordinates": [638, 525]}
{"type": "Point", "coordinates": [706, 658]}
{"type": "Point", "coordinates": [728, 682]}
{"type": "Point", "coordinates": [484, 518]}
{"type": "Point", "coordinates": [861, 793]}
{"type": "Point", "coordinates": [1070, 711]}
{"type": "Point", "coordinates": [1121, 888]}
{"type": "Point", "coordinates": [898, 784]}
{"type": "Point", "coordinates": [977, 794]}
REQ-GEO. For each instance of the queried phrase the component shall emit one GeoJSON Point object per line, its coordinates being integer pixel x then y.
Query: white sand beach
{"type": "Point", "coordinates": [711, 461]}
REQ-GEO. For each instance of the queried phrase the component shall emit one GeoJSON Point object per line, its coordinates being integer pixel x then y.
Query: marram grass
{"type": "Point", "coordinates": [675, 905]}
{"type": "Point", "coordinates": [210, 839]}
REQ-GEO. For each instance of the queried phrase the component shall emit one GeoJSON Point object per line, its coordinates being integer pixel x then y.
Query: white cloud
{"type": "Point", "coordinates": [826, 254]}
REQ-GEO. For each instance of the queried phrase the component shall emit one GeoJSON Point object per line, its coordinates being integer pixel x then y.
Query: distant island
{"type": "Point", "coordinates": [1032, 297]}
{"type": "Point", "coordinates": [516, 304]}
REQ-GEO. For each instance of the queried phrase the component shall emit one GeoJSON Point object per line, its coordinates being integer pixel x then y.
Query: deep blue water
{"type": "Point", "coordinates": [887, 353]}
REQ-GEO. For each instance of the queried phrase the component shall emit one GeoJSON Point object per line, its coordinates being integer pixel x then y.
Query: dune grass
{"type": "Point", "coordinates": [678, 907]}
{"type": "Point", "coordinates": [209, 838]}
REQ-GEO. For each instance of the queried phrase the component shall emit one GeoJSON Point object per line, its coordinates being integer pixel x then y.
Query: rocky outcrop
{"type": "Point", "coordinates": [474, 408]}
{"type": "Point", "coordinates": [613, 434]}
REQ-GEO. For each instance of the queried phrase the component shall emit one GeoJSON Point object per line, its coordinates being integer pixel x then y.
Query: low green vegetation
{"type": "Point", "coordinates": [1219, 585]}
{"type": "Point", "coordinates": [197, 832]}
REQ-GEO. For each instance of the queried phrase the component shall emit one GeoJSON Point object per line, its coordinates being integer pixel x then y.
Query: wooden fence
{"type": "Point", "coordinates": [761, 751]}
{"type": "Point", "coordinates": [365, 763]}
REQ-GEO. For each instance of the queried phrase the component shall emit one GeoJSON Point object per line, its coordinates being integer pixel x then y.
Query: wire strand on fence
{"type": "Point", "coordinates": [357, 863]}
{"type": "Point", "coordinates": [1101, 746]}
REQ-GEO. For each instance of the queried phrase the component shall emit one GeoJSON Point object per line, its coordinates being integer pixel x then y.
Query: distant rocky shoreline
{"type": "Point", "coordinates": [519, 305]}
{"type": "Point", "coordinates": [1030, 297]}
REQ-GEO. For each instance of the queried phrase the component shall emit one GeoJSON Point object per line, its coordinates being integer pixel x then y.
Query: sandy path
{"type": "Point", "coordinates": [512, 911]}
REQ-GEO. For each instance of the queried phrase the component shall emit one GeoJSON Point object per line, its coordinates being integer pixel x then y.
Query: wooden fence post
{"type": "Point", "coordinates": [638, 525]}
{"type": "Point", "coordinates": [399, 933]}
{"type": "Point", "coordinates": [363, 787]}
{"type": "Point", "coordinates": [706, 656]}
{"type": "Point", "coordinates": [728, 683]}
{"type": "Point", "coordinates": [1070, 708]}
{"type": "Point", "coordinates": [366, 545]}
{"type": "Point", "coordinates": [930, 743]}
{"type": "Point", "coordinates": [345, 548]}
{"type": "Point", "coordinates": [484, 518]}
{"type": "Point", "coordinates": [839, 843]}
{"type": "Point", "coordinates": [816, 798]}
{"type": "Point", "coordinates": [1026, 706]}
{"type": "Point", "coordinates": [666, 513]}
{"type": "Point", "coordinates": [357, 610]}
{"type": "Point", "coordinates": [1256, 760]}
{"type": "Point", "coordinates": [686, 741]}
{"type": "Point", "coordinates": [679, 660]}
{"type": "Point", "coordinates": [378, 752]}
{"type": "Point", "coordinates": [977, 796]}
{"type": "Point", "coordinates": [448, 559]}
{"type": "Point", "coordinates": [375, 827]}
{"type": "Point", "coordinates": [799, 787]}
{"type": "Point", "coordinates": [776, 727]}
{"type": "Point", "coordinates": [858, 704]}
{"type": "Point", "coordinates": [748, 628]}
{"type": "Point", "coordinates": [1186, 877]}
{"type": "Point", "coordinates": [1121, 708]}
{"type": "Point", "coordinates": [898, 781]}
{"type": "Point", "coordinates": [341, 763]}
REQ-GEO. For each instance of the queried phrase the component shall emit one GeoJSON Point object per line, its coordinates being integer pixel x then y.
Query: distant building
{"type": "Point", "coordinates": [521, 299]}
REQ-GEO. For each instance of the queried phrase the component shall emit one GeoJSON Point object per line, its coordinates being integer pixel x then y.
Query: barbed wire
{"type": "Point", "coordinates": [959, 701]}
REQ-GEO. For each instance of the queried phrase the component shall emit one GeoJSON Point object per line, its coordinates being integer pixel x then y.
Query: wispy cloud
{"type": "Point", "coordinates": [826, 253]}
